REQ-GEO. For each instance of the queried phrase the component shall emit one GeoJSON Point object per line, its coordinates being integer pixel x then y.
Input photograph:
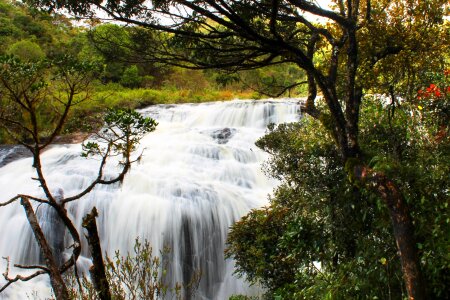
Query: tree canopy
{"type": "Point", "coordinates": [360, 38]}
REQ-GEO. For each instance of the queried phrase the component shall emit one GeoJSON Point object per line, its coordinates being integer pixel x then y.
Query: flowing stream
{"type": "Point", "coordinates": [199, 173]}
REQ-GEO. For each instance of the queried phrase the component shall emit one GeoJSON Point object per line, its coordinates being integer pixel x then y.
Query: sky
{"type": "Point", "coordinates": [321, 3]}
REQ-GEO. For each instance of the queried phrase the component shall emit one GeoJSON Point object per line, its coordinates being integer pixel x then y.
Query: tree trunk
{"type": "Point", "coordinates": [346, 138]}
{"type": "Point", "coordinates": [403, 229]}
{"type": "Point", "coordinates": [56, 280]}
{"type": "Point", "coordinates": [98, 273]}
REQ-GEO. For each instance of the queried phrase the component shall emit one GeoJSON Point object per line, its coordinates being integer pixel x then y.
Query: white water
{"type": "Point", "coordinates": [185, 193]}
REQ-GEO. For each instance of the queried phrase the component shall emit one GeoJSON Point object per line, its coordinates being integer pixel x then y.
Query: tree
{"type": "Point", "coordinates": [31, 89]}
{"type": "Point", "coordinates": [313, 218]}
{"type": "Point", "coordinates": [26, 50]}
{"type": "Point", "coordinates": [353, 53]}
{"type": "Point", "coordinates": [21, 23]}
{"type": "Point", "coordinates": [130, 77]}
{"type": "Point", "coordinates": [122, 60]}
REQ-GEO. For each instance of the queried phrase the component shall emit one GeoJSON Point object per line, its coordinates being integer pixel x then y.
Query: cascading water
{"type": "Point", "coordinates": [199, 173]}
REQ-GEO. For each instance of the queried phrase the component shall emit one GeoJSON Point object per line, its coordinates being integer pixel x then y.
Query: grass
{"type": "Point", "coordinates": [116, 96]}
{"type": "Point", "coordinates": [86, 116]}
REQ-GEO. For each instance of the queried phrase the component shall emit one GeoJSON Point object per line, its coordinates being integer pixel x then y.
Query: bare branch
{"type": "Point", "coordinates": [31, 267]}
{"type": "Point", "coordinates": [283, 90]}
{"type": "Point", "coordinates": [61, 121]}
{"type": "Point", "coordinates": [17, 277]}
{"type": "Point", "coordinates": [16, 138]}
{"type": "Point", "coordinates": [36, 199]}
{"type": "Point", "coordinates": [10, 201]}
{"type": "Point", "coordinates": [15, 123]}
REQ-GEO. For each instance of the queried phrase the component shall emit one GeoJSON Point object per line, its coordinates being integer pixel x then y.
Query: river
{"type": "Point", "coordinates": [199, 173]}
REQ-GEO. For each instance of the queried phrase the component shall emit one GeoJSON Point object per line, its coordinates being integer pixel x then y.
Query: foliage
{"type": "Point", "coordinates": [323, 239]}
{"type": "Point", "coordinates": [35, 38]}
{"type": "Point", "coordinates": [26, 50]}
{"type": "Point", "coordinates": [319, 232]}
{"type": "Point", "coordinates": [121, 46]}
{"type": "Point", "coordinates": [130, 77]}
{"type": "Point", "coordinates": [419, 33]}
{"type": "Point", "coordinates": [20, 23]}
{"type": "Point", "coordinates": [139, 275]}
{"type": "Point", "coordinates": [33, 35]}
{"type": "Point", "coordinates": [44, 91]}
{"type": "Point", "coordinates": [274, 81]}
{"type": "Point", "coordinates": [183, 79]}
{"type": "Point", "coordinates": [432, 102]}
{"type": "Point", "coordinates": [380, 47]}
{"type": "Point", "coordinates": [252, 246]}
{"type": "Point", "coordinates": [31, 89]}
{"type": "Point", "coordinates": [242, 297]}
{"type": "Point", "coordinates": [124, 128]}
{"type": "Point", "coordinates": [413, 146]}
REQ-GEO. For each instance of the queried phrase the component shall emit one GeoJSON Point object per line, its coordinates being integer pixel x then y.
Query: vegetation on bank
{"type": "Point", "coordinates": [124, 79]}
{"type": "Point", "coordinates": [114, 95]}
{"type": "Point", "coordinates": [141, 274]}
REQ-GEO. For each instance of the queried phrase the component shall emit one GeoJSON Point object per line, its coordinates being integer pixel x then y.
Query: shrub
{"type": "Point", "coordinates": [139, 275]}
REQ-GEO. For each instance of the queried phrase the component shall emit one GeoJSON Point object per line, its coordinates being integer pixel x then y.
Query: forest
{"type": "Point", "coordinates": [361, 205]}
{"type": "Point", "coordinates": [125, 78]}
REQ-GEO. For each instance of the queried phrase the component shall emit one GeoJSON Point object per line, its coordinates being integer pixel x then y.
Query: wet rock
{"type": "Point", "coordinates": [222, 136]}
{"type": "Point", "coordinates": [10, 153]}
{"type": "Point", "coordinates": [72, 138]}
{"type": "Point", "coordinates": [54, 228]}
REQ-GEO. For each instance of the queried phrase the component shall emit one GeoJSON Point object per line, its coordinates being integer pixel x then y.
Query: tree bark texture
{"type": "Point", "coordinates": [56, 280]}
{"type": "Point", "coordinates": [403, 227]}
{"type": "Point", "coordinates": [404, 236]}
{"type": "Point", "coordinates": [98, 273]}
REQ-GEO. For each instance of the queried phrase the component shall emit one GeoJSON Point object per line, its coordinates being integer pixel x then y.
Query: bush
{"type": "Point", "coordinates": [136, 276]}
{"type": "Point", "coordinates": [26, 50]}
{"type": "Point", "coordinates": [130, 77]}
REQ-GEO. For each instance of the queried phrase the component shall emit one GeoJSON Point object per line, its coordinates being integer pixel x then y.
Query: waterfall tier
{"type": "Point", "coordinates": [199, 173]}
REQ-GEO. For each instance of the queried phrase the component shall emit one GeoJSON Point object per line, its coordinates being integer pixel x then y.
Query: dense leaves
{"type": "Point", "coordinates": [123, 130]}
{"type": "Point", "coordinates": [322, 230]}
{"type": "Point", "coordinates": [323, 238]}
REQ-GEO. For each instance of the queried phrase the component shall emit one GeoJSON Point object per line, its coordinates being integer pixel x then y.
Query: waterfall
{"type": "Point", "coordinates": [200, 172]}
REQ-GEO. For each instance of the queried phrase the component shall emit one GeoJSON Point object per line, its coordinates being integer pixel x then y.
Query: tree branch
{"type": "Point", "coordinates": [18, 277]}
{"type": "Point", "coordinates": [56, 280]}
{"type": "Point", "coordinates": [10, 201]}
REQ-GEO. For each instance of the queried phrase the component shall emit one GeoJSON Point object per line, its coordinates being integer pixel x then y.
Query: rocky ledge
{"type": "Point", "coordinates": [10, 153]}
